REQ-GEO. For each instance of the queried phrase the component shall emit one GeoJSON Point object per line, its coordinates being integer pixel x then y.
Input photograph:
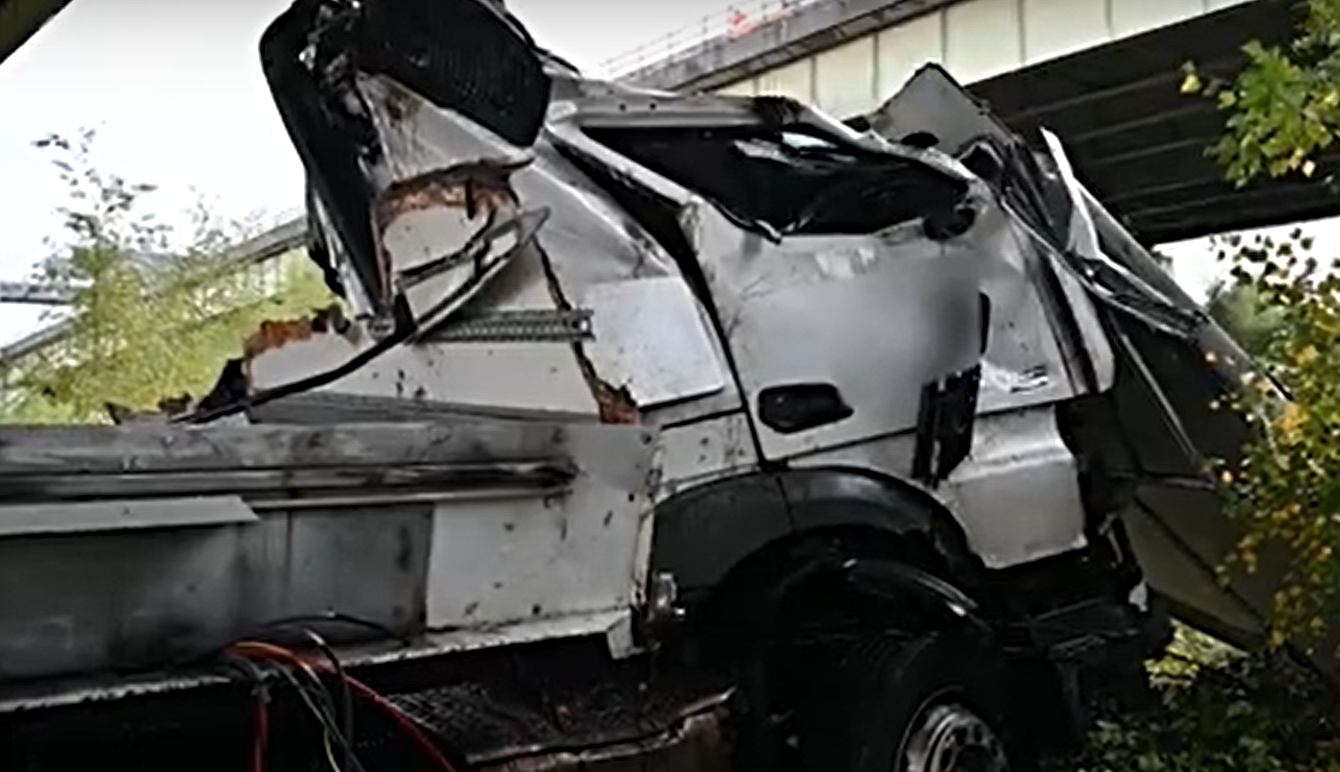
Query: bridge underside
{"type": "Point", "coordinates": [20, 20]}
{"type": "Point", "coordinates": [1139, 144]}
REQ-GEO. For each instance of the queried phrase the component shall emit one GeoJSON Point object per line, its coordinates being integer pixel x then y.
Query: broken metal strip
{"type": "Point", "coordinates": [526, 225]}
{"type": "Point", "coordinates": [374, 498]}
{"type": "Point", "coordinates": [557, 326]}
{"type": "Point", "coordinates": [68, 451]}
{"type": "Point", "coordinates": [74, 517]}
{"type": "Point", "coordinates": [283, 484]}
{"type": "Point", "coordinates": [1167, 411]}
{"type": "Point", "coordinates": [1106, 296]}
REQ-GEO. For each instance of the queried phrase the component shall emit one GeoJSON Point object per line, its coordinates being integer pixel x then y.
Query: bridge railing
{"type": "Point", "coordinates": [736, 20]}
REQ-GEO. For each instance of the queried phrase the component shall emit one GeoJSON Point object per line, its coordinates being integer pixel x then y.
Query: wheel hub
{"type": "Point", "coordinates": [951, 738]}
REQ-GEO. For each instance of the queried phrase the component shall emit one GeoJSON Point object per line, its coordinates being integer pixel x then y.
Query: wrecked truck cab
{"type": "Point", "coordinates": [599, 193]}
{"type": "Point", "coordinates": [757, 276]}
{"type": "Point", "coordinates": [905, 412]}
{"type": "Point", "coordinates": [902, 360]}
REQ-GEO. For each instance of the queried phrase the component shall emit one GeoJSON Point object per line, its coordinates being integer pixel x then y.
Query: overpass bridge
{"type": "Point", "coordinates": [1103, 74]}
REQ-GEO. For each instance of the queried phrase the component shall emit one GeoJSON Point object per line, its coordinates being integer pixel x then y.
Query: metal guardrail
{"type": "Point", "coordinates": [736, 20]}
{"type": "Point", "coordinates": [287, 232]}
{"type": "Point", "coordinates": [34, 294]}
{"type": "Point", "coordinates": [283, 238]}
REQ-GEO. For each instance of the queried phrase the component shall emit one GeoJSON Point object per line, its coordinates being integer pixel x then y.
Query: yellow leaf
{"type": "Point", "coordinates": [1309, 167]}
{"type": "Point", "coordinates": [1191, 83]}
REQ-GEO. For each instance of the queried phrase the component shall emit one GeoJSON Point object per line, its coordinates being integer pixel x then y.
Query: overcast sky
{"type": "Point", "coordinates": [175, 91]}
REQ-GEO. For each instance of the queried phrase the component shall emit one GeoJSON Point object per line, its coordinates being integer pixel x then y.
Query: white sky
{"type": "Point", "coordinates": [175, 90]}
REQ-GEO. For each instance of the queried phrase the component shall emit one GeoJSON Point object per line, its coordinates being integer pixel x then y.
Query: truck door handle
{"type": "Point", "coordinates": [799, 406]}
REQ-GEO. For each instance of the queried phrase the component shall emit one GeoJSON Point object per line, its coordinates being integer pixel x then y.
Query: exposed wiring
{"type": "Point", "coordinates": [262, 742]}
{"type": "Point", "coordinates": [405, 723]}
{"type": "Point", "coordinates": [346, 695]}
{"type": "Point", "coordinates": [314, 696]}
{"type": "Point", "coordinates": [273, 652]}
{"type": "Point", "coordinates": [261, 714]}
{"type": "Point", "coordinates": [330, 752]}
{"type": "Point", "coordinates": [321, 710]}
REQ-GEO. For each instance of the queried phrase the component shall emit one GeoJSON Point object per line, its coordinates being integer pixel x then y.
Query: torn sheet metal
{"type": "Point", "coordinates": [439, 203]}
{"type": "Point", "coordinates": [651, 338]}
{"type": "Point", "coordinates": [276, 333]}
{"type": "Point", "coordinates": [934, 108]}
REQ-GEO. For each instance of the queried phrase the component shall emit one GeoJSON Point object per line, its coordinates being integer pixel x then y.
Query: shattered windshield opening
{"type": "Point", "coordinates": [788, 181]}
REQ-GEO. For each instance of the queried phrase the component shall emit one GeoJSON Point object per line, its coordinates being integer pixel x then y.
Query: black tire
{"type": "Point", "coordinates": [900, 703]}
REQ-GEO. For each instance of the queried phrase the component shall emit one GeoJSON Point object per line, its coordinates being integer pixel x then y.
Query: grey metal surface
{"type": "Point", "coordinates": [1018, 495]}
{"type": "Point", "coordinates": [827, 309]}
{"type": "Point", "coordinates": [388, 550]}
{"type": "Point", "coordinates": [548, 556]}
{"type": "Point", "coordinates": [133, 450]}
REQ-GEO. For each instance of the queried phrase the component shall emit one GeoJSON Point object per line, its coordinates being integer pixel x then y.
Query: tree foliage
{"type": "Point", "coordinates": [1282, 117]}
{"type": "Point", "coordinates": [154, 312]}
{"type": "Point", "coordinates": [1222, 709]}
{"type": "Point", "coordinates": [1283, 108]}
{"type": "Point", "coordinates": [1287, 488]}
{"type": "Point", "coordinates": [1241, 310]}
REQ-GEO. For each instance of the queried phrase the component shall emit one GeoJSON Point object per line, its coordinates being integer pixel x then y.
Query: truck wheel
{"type": "Point", "coordinates": [908, 704]}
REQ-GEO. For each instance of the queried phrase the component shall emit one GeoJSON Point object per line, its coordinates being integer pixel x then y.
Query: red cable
{"type": "Point", "coordinates": [404, 722]}
{"type": "Point", "coordinates": [262, 740]}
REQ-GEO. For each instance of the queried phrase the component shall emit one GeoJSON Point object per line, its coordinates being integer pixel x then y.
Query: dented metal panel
{"type": "Point", "coordinates": [650, 337]}
{"type": "Point", "coordinates": [1018, 495]}
{"type": "Point", "coordinates": [560, 554]}
{"type": "Point", "coordinates": [842, 310]}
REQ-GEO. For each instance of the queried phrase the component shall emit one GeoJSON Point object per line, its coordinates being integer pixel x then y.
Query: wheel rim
{"type": "Point", "coordinates": [951, 738]}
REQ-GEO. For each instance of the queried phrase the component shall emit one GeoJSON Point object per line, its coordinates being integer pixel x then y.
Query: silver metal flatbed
{"type": "Point", "coordinates": [125, 549]}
